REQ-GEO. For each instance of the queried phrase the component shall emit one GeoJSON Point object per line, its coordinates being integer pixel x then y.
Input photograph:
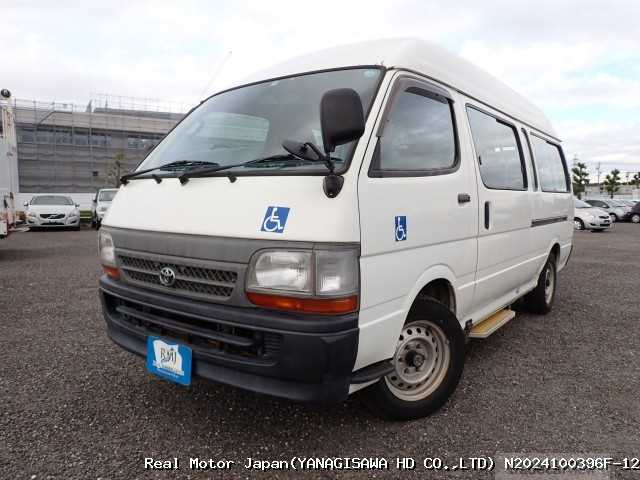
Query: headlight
{"type": "Point", "coordinates": [317, 281]}
{"type": "Point", "coordinates": [591, 217]}
{"type": "Point", "coordinates": [107, 250]}
{"type": "Point", "coordinates": [282, 270]}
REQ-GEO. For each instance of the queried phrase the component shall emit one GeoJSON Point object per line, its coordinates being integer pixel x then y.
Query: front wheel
{"type": "Point", "coordinates": [635, 218]}
{"type": "Point", "coordinates": [614, 217]}
{"type": "Point", "coordinates": [578, 224]}
{"type": "Point", "coordinates": [428, 362]}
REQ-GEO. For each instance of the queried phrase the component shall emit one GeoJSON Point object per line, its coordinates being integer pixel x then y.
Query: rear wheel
{"type": "Point", "coordinates": [635, 218]}
{"type": "Point", "coordinates": [578, 224]}
{"type": "Point", "coordinates": [428, 362]}
{"type": "Point", "coordinates": [540, 299]}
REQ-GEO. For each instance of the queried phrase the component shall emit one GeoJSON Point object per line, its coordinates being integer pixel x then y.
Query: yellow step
{"type": "Point", "coordinates": [491, 324]}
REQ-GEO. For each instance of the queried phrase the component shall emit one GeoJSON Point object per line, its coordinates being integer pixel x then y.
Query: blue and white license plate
{"type": "Point", "coordinates": [169, 360]}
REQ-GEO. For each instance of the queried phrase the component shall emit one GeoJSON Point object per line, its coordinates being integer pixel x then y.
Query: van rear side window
{"type": "Point", "coordinates": [498, 152]}
{"type": "Point", "coordinates": [552, 170]}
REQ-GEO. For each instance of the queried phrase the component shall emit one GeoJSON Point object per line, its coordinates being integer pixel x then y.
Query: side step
{"type": "Point", "coordinates": [491, 324]}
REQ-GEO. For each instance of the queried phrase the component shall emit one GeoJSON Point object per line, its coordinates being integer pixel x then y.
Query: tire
{"type": "Point", "coordinates": [578, 224]}
{"type": "Point", "coordinates": [431, 376]}
{"type": "Point", "coordinates": [614, 217]}
{"type": "Point", "coordinates": [635, 218]}
{"type": "Point", "coordinates": [540, 299]}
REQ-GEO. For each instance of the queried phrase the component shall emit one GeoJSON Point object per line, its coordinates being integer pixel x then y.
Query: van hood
{"type": "Point", "coordinates": [215, 206]}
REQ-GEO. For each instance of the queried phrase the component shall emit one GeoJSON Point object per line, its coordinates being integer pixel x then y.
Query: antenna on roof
{"type": "Point", "coordinates": [216, 72]}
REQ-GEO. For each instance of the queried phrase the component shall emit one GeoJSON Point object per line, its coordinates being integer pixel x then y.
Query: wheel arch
{"type": "Point", "coordinates": [437, 282]}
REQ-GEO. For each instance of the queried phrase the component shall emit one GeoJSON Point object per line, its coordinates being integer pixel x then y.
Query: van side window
{"type": "Point", "coordinates": [498, 151]}
{"type": "Point", "coordinates": [419, 135]}
{"type": "Point", "coordinates": [551, 165]}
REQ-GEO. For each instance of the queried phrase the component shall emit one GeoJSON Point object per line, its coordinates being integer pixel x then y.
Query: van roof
{"type": "Point", "coordinates": [424, 58]}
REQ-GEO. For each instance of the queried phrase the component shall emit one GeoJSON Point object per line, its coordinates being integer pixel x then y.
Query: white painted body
{"type": "Point", "coordinates": [488, 269]}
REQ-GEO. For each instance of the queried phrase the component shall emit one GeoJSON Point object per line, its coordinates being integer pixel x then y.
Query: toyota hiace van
{"type": "Point", "coordinates": [342, 222]}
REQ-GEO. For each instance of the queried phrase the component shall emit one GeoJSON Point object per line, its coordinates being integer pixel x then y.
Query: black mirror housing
{"type": "Point", "coordinates": [341, 117]}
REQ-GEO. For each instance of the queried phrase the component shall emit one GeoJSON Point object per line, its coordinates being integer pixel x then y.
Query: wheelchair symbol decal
{"type": "Point", "coordinates": [275, 219]}
{"type": "Point", "coordinates": [401, 228]}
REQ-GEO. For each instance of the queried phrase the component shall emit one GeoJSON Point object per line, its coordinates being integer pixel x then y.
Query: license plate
{"type": "Point", "coordinates": [169, 360]}
{"type": "Point", "coordinates": [52, 223]}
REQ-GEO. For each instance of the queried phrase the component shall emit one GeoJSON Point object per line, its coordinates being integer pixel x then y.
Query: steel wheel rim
{"type": "Point", "coordinates": [577, 225]}
{"type": "Point", "coordinates": [421, 361]}
{"type": "Point", "coordinates": [549, 284]}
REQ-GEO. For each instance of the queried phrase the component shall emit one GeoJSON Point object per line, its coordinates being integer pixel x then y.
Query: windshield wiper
{"type": "Point", "coordinates": [279, 158]}
{"type": "Point", "coordinates": [167, 166]}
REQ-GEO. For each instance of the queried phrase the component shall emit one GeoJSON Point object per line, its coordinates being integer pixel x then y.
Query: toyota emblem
{"type": "Point", "coordinates": [167, 276]}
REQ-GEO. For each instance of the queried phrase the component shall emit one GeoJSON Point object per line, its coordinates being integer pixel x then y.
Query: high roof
{"type": "Point", "coordinates": [425, 58]}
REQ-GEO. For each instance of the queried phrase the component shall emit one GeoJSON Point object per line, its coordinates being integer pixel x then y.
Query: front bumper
{"type": "Point", "coordinates": [300, 357]}
{"type": "Point", "coordinates": [61, 223]}
{"type": "Point", "coordinates": [599, 223]}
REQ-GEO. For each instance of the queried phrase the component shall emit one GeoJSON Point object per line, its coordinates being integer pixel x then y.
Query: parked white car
{"type": "Point", "coordinates": [617, 211]}
{"type": "Point", "coordinates": [588, 217]}
{"type": "Point", "coordinates": [364, 211]}
{"type": "Point", "coordinates": [52, 211]}
{"type": "Point", "coordinates": [100, 205]}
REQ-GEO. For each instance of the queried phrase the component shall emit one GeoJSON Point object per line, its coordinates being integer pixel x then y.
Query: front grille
{"type": "Point", "coordinates": [195, 281]}
{"type": "Point", "coordinates": [604, 217]}
{"type": "Point", "coordinates": [207, 336]}
{"type": "Point", "coordinates": [52, 216]}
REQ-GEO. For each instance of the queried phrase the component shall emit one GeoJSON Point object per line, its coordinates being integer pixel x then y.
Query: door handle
{"type": "Point", "coordinates": [486, 215]}
{"type": "Point", "coordinates": [464, 198]}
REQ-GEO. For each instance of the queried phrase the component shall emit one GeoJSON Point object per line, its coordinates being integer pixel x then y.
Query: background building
{"type": "Point", "coordinates": [64, 148]}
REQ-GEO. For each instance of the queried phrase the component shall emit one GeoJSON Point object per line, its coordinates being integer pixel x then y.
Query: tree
{"type": "Point", "coordinates": [612, 182]}
{"type": "Point", "coordinates": [580, 179]}
{"type": "Point", "coordinates": [115, 169]}
{"type": "Point", "coordinates": [635, 181]}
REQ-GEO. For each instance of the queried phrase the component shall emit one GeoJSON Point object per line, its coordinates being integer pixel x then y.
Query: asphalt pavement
{"type": "Point", "coordinates": [75, 406]}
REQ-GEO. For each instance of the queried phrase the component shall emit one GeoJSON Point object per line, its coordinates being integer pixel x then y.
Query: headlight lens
{"type": "Point", "coordinates": [282, 270]}
{"type": "Point", "coordinates": [107, 250]}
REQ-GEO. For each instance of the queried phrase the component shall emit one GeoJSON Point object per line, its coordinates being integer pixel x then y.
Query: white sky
{"type": "Point", "coordinates": [577, 60]}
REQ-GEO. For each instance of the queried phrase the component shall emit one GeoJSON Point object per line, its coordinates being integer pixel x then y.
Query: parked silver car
{"type": "Point", "coordinates": [587, 217]}
{"type": "Point", "coordinates": [617, 211]}
{"type": "Point", "coordinates": [101, 203]}
{"type": "Point", "coordinates": [46, 211]}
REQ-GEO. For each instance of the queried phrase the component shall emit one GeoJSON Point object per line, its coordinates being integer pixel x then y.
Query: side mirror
{"type": "Point", "coordinates": [341, 118]}
{"type": "Point", "coordinates": [77, 205]}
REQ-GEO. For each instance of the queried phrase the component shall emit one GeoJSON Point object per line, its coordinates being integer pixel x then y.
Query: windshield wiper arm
{"type": "Point", "coordinates": [167, 166]}
{"type": "Point", "coordinates": [184, 178]}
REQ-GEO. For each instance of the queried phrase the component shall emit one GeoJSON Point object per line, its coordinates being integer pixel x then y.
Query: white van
{"type": "Point", "coordinates": [344, 221]}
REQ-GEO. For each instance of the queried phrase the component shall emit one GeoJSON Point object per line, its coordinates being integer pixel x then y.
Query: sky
{"type": "Point", "coordinates": [578, 61]}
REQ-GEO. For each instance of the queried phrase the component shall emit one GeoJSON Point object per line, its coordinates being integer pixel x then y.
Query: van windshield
{"type": "Point", "coordinates": [252, 122]}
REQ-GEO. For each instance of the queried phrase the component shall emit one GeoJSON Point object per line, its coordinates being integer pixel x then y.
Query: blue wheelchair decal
{"type": "Point", "coordinates": [275, 219]}
{"type": "Point", "coordinates": [401, 228]}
